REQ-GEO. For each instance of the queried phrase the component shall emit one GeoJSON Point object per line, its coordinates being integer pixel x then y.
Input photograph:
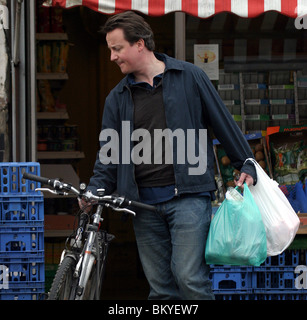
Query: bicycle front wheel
{"type": "Point", "coordinates": [62, 285]}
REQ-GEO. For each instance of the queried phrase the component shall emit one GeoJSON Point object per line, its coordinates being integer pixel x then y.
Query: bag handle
{"type": "Point", "coordinates": [244, 184]}
{"type": "Point", "coordinates": [239, 189]}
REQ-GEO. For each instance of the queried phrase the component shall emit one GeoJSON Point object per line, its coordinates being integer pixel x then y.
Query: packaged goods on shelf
{"type": "Point", "coordinates": [290, 161]}
{"type": "Point", "coordinates": [47, 101]}
{"type": "Point", "coordinates": [52, 56]}
{"type": "Point", "coordinates": [288, 154]}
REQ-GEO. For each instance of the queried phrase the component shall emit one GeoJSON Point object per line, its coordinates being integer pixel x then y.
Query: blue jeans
{"type": "Point", "coordinates": [171, 244]}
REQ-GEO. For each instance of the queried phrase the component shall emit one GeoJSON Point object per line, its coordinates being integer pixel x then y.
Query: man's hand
{"type": "Point", "coordinates": [84, 205]}
{"type": "Point", "coordinates": [244, 177]}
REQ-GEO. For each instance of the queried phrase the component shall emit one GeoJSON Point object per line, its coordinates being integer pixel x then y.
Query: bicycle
{"type": "Point", "coordinates": [82, 264]}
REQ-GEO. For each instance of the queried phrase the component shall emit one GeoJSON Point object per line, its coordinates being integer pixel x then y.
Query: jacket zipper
{"type": "Point", "coordinates": [175, 189]}
{"type": "Point", "coordinates": [176, 192]}
{"type": "Point", "coordinates": [134, 180]}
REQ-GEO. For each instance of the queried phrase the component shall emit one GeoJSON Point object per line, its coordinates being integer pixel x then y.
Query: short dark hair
{"type": "Point", "coordinates": [134, 27]}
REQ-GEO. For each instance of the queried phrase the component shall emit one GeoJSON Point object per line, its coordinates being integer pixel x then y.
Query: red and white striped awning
{"type": "Point", "coordinates": [199, 8]}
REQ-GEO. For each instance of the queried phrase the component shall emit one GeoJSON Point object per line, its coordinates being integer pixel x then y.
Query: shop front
{"type": "Point", "coordinates": [253, 51]}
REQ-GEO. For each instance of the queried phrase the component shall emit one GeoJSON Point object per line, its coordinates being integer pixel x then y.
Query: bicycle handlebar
{"type": "Point", "coordinates": [139, 205]}
{"type": "Point", "coordinates": [36, 178]}
{"type": "Point", "coordinates": [119, 202]}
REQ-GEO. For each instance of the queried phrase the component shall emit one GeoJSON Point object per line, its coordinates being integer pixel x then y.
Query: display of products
{"type": "Point", "coordinates": [43, 17]}
{"type": "Point", "coordinates": [56, 20]}
{"type": "Point", "coordinates": [47, 102]}
{"type": "Point", "coordinates": [290, 162]}
{"type": "Point", "coordinates": [59, 56]}
{"type": "Point", "coordinates": [49, 19]}
{"type": "Point", "coordinates": [229, 173]}
{"type": "Point", "coordinates": [52, 56]}
{"type": "Point", "coordinates": [44, 57]}
{"type": "Point", "coordinates": [57, 137]}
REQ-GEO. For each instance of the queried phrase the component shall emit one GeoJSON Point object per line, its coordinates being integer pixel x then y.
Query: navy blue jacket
{"type": "Point", "coordinates": [190, 102]}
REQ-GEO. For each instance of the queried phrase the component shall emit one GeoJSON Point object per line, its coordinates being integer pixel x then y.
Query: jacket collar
{"type": "Point", "coordinates": [170, 63]}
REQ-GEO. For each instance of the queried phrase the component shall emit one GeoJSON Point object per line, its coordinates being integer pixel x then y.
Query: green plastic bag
{"type": "Point", "coordinates": [237, 235]}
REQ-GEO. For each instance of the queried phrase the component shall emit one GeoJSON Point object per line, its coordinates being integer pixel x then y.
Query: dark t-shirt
{"type": "Point", "coordinates": [149, 114]}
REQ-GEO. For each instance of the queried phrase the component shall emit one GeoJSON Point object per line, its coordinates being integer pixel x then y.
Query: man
{"type": "Point", "coordinates": [162, 94]}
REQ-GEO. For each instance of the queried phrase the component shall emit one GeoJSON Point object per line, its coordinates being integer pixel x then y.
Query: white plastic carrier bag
{"type": "Point", "coordinates": [280, 220]}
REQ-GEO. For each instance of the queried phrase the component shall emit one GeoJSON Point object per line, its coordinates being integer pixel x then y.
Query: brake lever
{"type": "Point", "coordinates": [52, 191]}
{"type": "Point", "coordinates": [120, 209]}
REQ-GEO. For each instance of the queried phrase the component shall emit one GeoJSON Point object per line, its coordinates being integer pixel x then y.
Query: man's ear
{"type": "Point", "coordinates": [140, 44]}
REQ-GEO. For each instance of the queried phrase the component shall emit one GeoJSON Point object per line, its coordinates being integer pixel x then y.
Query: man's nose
{"type": "Point", "coordinates": [113, 56]}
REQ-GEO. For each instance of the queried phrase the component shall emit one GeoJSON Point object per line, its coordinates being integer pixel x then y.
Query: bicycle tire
{"type": "Point", "coordinates": [62, 283]}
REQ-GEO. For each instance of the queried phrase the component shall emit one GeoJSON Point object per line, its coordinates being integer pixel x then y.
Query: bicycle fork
{"type": "Point", "coordinates": [88, 258]}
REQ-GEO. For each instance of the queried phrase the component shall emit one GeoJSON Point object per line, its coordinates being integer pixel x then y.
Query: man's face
{"type": "Point", "coordinates": [123, 53]}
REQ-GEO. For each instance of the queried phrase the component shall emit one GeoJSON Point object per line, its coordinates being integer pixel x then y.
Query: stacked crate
{"type": "Point", "coordinates": [22, 270]}
{"type": "Point", "coordinates": [282, 277]}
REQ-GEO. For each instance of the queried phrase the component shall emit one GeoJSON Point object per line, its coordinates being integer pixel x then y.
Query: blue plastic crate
{"type": "Point", "coordinates": [21, 239]}
{"type": "Point", "coordinates": [37, 295]}
{"type": "Point", "coordinates": [26, 209]}
{"type": "Point", "coordinates": [230, 268]}
{"type": "Point", "coordinates": [231, 280]}
{"type": "Point", "coordinates": [25, 272]}
{"type": "Point", "coordinates": [302, 256]}
{"type": "Point", "coordinates": [274, 279]}
{"type": "Point", "coordinates": [23, 291]}
{"type": "Point", "coordinates": [6, 258]}
{"type": "Point", "coordinates": [12, 183]}
{"type": "Point", "coordinates": [234, 296]}
{"type": "Point", "coordinates": [279, 295]}
{"type": "Point", "coordinates": [288, 258]}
